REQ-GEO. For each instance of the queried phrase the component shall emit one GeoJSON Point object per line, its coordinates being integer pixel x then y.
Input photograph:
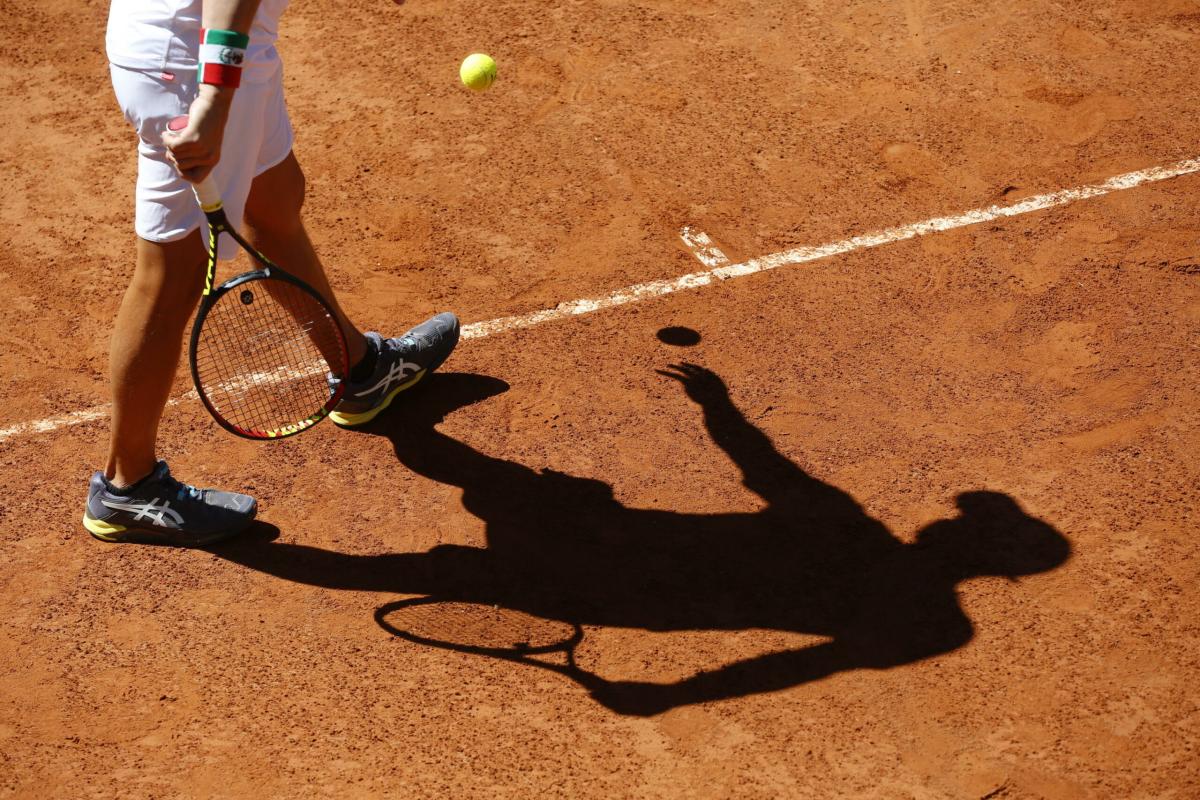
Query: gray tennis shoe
{"type": "Point", "coordinates": [161, 510]}
{"type": "Point", "coordinates": [401, 362]}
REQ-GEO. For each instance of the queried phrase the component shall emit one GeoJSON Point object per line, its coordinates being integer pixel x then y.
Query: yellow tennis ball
{"type": "Point", "coordinates": [478, 71]}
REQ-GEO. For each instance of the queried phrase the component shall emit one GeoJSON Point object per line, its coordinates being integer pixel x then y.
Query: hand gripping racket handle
{"type": "Point", "coordinates": [206, 190]}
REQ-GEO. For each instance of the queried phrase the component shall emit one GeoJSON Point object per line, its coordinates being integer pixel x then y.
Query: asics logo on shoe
{"type": "Point", "coordinates": [397, 373]}
{"type": "Point", "coordinates": [149, 511]}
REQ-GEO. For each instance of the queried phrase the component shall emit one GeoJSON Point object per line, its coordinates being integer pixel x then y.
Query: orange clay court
{"type": "Point", "coordinates": [919, 520]}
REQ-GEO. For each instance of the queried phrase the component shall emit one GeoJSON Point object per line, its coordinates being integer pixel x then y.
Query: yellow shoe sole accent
{"type": "Point", "coordinates": [351, 420]}
{"type": "Point", "coordinates": [101, 529]}
{"type": "Point", "coordinates": [107, 532]}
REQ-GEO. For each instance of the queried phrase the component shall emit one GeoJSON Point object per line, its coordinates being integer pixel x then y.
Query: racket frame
{"type": "Point", "coordinates": [218, 223]}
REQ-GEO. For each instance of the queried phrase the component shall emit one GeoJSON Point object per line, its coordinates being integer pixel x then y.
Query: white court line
{"type": "Point", "coordinates": [802, 255]}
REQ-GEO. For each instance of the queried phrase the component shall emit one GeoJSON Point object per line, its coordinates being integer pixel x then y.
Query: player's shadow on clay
{"type": "Point", "coordinates": [562, 548]}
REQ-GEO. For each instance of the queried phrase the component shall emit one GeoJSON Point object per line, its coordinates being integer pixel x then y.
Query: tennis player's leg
{"type": "Point", "coordinates": [146, 345]}
{"type": "Point", "coordinates": [135, 498]}
{"type": "Point", "coordinates": [382, 368]}
{"type": "Point", "coordinates": [274, 226]}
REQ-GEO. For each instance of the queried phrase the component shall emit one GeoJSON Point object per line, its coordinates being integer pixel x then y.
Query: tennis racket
{"type": "Point", "coordinates": [268, 357]}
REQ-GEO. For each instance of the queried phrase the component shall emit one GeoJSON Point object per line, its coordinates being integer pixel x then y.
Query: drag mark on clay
{"type": "Point", "coordinates": [702, 248]}
{"type": "Point", "coordinates": [710, 256]}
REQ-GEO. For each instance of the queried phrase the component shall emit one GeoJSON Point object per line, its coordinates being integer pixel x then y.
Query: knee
{"type": "Point", "coordinates": [172, 296]}
{"type": "Point", "coordinates": [169, 277]}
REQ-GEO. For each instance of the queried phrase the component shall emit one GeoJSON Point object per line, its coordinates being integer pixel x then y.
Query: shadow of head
{"type": "Point", "coordinates": [992, 535]}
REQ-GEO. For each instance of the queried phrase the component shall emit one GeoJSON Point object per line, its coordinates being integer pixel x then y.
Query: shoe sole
{"type": "Point", "coordinates": [121, 534]}
{"type": "Point", "coordinates": [343, 420]}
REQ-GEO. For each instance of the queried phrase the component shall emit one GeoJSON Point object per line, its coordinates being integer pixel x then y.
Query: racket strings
{"type": "Point", "coordinates": [264, 353]}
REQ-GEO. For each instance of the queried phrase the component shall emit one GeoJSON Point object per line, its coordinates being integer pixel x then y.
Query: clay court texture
{"type": "Point", "coordinates": [920, 523]}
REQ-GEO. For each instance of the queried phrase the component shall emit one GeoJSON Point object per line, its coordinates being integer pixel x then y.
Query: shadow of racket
{"type": "Point", "coordinates": [486, 630]}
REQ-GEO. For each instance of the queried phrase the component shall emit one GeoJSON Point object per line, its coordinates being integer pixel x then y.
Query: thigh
{"type": "Point", "coordinates": [276, 196]}
{"type": "Point", "coordinates": [277, 193]}
{"type": "Point", "coordinates": [277, 137]}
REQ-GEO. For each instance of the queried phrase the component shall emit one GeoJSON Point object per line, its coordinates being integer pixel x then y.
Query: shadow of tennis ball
{"type": "Point", "coordinates": [679, 336]}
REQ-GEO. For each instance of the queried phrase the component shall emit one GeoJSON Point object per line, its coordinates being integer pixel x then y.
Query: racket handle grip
{"type": "Point", "coordinates": [208, 194]}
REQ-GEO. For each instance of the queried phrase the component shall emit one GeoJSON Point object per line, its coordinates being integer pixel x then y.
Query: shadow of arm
{"type": "Point", "coordinates": [765, 471]}
{"type": "Point", "coordinates": [768, 673]}
{"type": "Point", "coordinates": [888, 644]}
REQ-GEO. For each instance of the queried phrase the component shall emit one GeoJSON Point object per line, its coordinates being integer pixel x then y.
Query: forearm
{"type": "Point", "coordinates": [226, 15]}
{"type": "Point", "coordinates": [197, 148]}
{"type": "Point", "coordinates": [229, 15]}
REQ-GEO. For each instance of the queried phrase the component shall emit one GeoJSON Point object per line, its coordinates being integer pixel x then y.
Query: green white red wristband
{"type": "Point", "coordinates": [221, 57]}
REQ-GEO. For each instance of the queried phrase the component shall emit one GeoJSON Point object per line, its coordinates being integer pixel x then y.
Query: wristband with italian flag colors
{"type": "Point", "coordinates": [221, 57]}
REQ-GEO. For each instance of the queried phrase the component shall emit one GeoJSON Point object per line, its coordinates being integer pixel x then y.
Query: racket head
{"type": "Point", "coordinates": [478, 628]}
{"type": "Point", "coordinates": [263, 351]}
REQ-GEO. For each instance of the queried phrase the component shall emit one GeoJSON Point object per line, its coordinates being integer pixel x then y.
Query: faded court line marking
{"type": "Point", "coordinates": [723, 271]}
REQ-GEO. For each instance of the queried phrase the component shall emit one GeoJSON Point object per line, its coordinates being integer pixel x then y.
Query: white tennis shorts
{"type": "Point", "coordinates": [258, 136]}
